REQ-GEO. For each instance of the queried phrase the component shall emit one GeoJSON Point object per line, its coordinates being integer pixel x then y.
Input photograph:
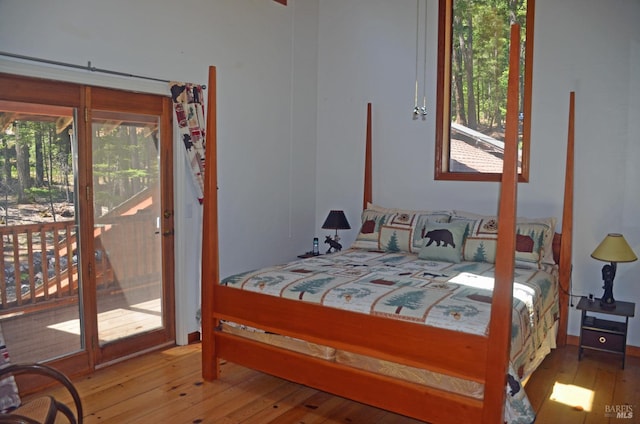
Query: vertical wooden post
{"type": "Point", "coordinates": [368, 191]}
{"type": "Point", "coordinates": [498, 349]}
{"type": "Point", "coordinates": [567, 229]}
{"type": "Point", "coordinates": [210, 256]}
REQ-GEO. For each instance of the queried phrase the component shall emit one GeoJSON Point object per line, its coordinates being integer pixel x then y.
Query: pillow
{"type": "Point", "coordinates": [444, 241]}
{"type": "Point", "coordinates": [534, 238]}
{"type": "Point", "coordinates": [407, 224]}
{"type": "Point", "coordinates": [373, 218]}
{"type": "Point", "coordinates": [395, 239]}
{"type": "Point", "coordinates": [422, 220]}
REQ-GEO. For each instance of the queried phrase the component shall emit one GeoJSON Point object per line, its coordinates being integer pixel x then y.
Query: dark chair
{"type": "Point", "coordinates": [41, 409]}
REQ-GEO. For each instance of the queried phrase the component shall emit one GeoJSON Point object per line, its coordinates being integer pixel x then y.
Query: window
{"type": "Point", "coordinates": [473, 50]}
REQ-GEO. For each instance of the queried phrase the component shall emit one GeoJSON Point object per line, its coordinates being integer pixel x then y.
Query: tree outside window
{"type": "Point", "coordinates": [473, 66]}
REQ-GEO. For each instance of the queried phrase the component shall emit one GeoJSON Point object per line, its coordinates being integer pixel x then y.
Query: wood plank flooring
{"type": "Point", "coordinates": [166, 387]}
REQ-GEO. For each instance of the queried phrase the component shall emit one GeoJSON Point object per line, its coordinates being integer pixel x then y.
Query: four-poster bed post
{"type": "Point", "coordinates": [498, 348]}
{"type": "Point", "coordinates": [566, 244]}
{"type": "Point", "coordinates": [368, 184]}
{"type": "Point", "coordinates": [210, 248]}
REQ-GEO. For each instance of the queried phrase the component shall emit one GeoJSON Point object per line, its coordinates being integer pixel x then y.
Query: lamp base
{"type": "Point", "coordinates": [333, 243]}
{"type": "Point", "coordinates": [608, 274]}
{"type": "Point", "coordinates": [610, 305]}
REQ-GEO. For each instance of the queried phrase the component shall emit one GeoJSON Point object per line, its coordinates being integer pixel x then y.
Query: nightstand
{"type": "Point", "coordinates": [602, 334]}
{"type": "Point", "coordinates": [308, 255]}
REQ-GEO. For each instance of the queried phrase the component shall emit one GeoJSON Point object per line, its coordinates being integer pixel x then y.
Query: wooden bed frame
{"type": "Point", "coordinates": [423, 346]}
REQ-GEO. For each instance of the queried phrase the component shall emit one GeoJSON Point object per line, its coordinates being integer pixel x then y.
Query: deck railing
{"type": "Point", "coordinates": [38, 263]}
{"type": "Point", "coordinates": [131, 243]}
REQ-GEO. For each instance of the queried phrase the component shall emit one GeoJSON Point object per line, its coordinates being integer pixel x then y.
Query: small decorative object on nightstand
{"type": "Point", "coordinates": [601, 334]}
{"type": "Point", "coordinates": [336, 220]}
{"type": "Point", "coordinates": [614, 248]}
{"type": "Point", "coordinates": [312, 253]}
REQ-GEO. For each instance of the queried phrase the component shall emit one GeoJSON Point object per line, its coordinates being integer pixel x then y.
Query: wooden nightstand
{"type": "Point", "coordinates": [308, 255]}
{"type": "Point", "coordinates": [602, 334]}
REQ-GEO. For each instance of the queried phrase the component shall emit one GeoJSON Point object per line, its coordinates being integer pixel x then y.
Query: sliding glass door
{"type": "Point", "coordinates": [86, 222]}
{"type": "Point", "coordinates": [132, 220]}
{"type": "Point", "coordinates": [39, 280]}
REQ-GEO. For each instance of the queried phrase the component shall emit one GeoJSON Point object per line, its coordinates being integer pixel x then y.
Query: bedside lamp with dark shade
{"type": "Point", "coordinates": [614, 248]}
{"type": "Point", "coordinates": [336, 220]}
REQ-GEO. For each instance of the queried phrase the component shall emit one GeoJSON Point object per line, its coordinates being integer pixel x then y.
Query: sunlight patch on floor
{"type": "Point", "coordinates": [119, 322]}
{"type": "Point", "coordinates": [72, 326]}
{"type": "Point", "coordinates": [574, 396]}
{"type": "Point", "coordinates": [151, 305]}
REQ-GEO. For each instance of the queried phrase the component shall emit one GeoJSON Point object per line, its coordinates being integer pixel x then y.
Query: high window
{"type": "Point", "coordinates": [473, 65]}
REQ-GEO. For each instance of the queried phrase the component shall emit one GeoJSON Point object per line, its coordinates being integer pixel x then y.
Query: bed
{"type": "Point", "coordinates": [424, 354]}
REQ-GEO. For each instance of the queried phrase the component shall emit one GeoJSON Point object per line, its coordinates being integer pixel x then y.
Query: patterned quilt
{"type": "Point", "coordinates": [402, 286]}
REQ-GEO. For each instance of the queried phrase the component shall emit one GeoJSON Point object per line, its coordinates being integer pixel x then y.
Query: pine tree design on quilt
{"type": "Point", "coordinates": [311, 286]}
{"type": "Point", "coordinates": [392, 259]}
{"type": "Point", "coordinates": [545, 286]}
{"type": "Point", "coordinates": [515, 331]}
{"type": "Point", "coordinates": [380, 223]}
{"type": "Point", "coordinates": [411, 300]}
{"type": "Point", "coordinates": [234, 279]}
{"type": "Point", "coordinates": [480, 255]}
{"type": "Point", "coordinates": [392, 246]}
{"type": "Point", "coordinates": [467, 231]}
{"type": "Point", "coordinates": [470, 267]}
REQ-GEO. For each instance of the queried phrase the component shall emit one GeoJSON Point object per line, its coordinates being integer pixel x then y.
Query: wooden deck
{"type": "Point", "coordinates": [54, 332]}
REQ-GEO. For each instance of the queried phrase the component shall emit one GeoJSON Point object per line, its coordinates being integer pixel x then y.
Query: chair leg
{"type": "Point", "coordinates": [67, 412]}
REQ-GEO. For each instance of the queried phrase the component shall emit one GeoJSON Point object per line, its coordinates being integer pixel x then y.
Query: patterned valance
{"type": "Point", "coordinates": [188, 105]}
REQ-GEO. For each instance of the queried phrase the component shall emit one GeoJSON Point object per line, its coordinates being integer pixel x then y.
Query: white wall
{"type": "Point", "coordinates": [290, 75]}
{"type": "Point", "coordinates": [367, 53]}
{"type": "Point", "coordinates": [265, 56]}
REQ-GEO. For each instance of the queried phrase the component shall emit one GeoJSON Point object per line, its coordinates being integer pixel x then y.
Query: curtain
{"type": "Point", "coordinates": [188, 106]}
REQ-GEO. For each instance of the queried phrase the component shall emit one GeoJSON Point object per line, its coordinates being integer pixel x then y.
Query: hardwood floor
{"type": "Point", "coordinates": [166, 387]}
{"type": "Point", "coordinates": [565, 390]}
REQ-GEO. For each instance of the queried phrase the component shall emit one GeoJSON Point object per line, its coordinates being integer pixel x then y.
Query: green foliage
{"type": "Point", "coordinates": [36, 162]}
{"type": "Point", "coordinates": [43, 194]}
{"type": "Point", "coordinates": [481, 36]}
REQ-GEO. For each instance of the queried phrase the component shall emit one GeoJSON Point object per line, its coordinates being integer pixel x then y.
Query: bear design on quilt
{"type": "Point", "coordinates": [440, 236]}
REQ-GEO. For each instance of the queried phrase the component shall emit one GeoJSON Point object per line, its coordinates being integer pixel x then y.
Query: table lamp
{"type": "Point", "coordinates": [614, 248]}
{"type": "Point", "coordinates": [336, 220]}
